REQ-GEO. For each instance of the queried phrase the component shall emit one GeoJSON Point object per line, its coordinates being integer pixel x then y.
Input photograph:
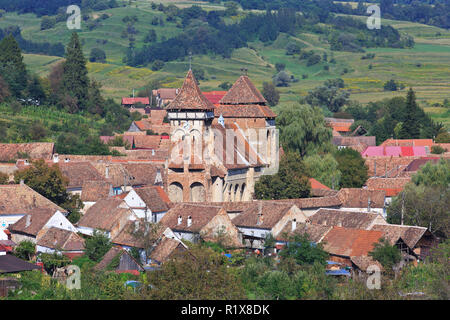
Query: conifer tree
{"type": "Point", "coordinates": [411, 126]}
{"type": "Point", "coordinates": [75, 81]}
{"type": "Point", "coordinates": [12, 67]}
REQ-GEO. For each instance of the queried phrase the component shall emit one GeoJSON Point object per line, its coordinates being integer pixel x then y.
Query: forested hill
{"type": "Point", "coordinates": [432, 12]}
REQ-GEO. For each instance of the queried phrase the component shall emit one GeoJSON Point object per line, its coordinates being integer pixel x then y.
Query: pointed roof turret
{"type": "Point", "coordinates": [190, 96]}
{"type": "Point", "coordinates": [243, 92]}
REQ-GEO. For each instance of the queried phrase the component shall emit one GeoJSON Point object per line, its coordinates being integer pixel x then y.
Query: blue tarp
{"type": "Point", "coordinates": [341, 272]}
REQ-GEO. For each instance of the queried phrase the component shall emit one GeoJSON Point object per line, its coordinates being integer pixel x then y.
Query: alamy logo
{"type": "Point", "coordinates": [74, 20]}
{"type": "Point", "coordinates": [374, 21]}
{"type": "Point", "coordinates": [374, 280]}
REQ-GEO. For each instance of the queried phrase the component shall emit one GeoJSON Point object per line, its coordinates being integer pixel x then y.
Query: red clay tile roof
{"type": "Point", "coordinates": [359, 198]}
{"type": "Point", "coordinates": [152, 197]}
{"type": "Point", "coordinates": [190, 97]}
{"type": "Point", "coordinates": [166, 93]}
{"type": "Point", "coordinates": [147, 142]}
{"type": "Point", "coordinates": [35, 150]}
{"type": "Point", "coordinates": [243, 91]}
{"type": "Point", "coordinates": [94, 190]}
{"type": "Point", "coordinates": [409, 234]}
{"type": "Point", "coordinates": [417, 163]}
{"type": "Point", "coordinates": [143, 125]}
{"type": "Point", "coordinates": [143, 173]}
{"type": "Point", "coordinates": [314, 231]}
{"type": "Point", "coordinates": [319, 202]}
{"type": "Point", "coordinates": [17, 198]}
{"type": "Point", "coordinates": [200, 213]}
{"type": "Point", "coordinates": [345, 219]}
{"type": "Point", "coordinates": [144, 100]}
{"type": "Point", "coordinates": [214, 96]}
{"type": "Point", "coordinates": [317, 185]}
{"type": "Point", "coordinates": [408, 143]}
{"type": "Point", "coordinates": [104, 214]}
{"type": "Point", "coordinates": [56, 238]}
{"type": "Point", "coordinates": [33, 221]}
{"type": "Point", "coordinates": [243, 111]}
{"type": "Point", "coordinates": [79, 172]}
{"type": "Point", "coordinates": [350, 242]}
{"type": "Point", "coordinates": [391, 186]}
{"type": "Point", "coordinates": [272, 212]}
{"type": "Point", "coordinates": [164, 249]}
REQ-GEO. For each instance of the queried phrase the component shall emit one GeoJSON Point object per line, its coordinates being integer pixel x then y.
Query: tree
{"type": "Point", "coordinates": [47, 181]}
{"type": "Point", "coordinates": [289, 182]}
{"type": "Point", "coordinates": [25, 250]}
{"type": "Point", "coordinates": [4, 178]}
{"type": "Point", "coordinates": [47, 22]}
{"type": "Point", "coordinates": [151, 36]}
{"type": "Point", "coordinates": [304, 251]}
{"type": "Point", "coordinates": [75, 81]}
{"type": "Point", "coordinates": [157, 65]}
{"type": "Point", "coordinates": [411, 126]}
{"type": "Point", "coordinates": [280, 66]}
{"type": "Point", "coordinates": [4, 90]}
{"type": "Point", "coordinates": [97, 55]}
{"type": "Point", "coordinates": [12, 67]}
{"type": "Point", "coordinates": [292, 48]}
{"type": "Point", "coordinates": [196, 274]}
{"type": "Point", "coordinates": [425, 200]}
{"type": "Point", "coordinates": [303, 129]}
{"type": "Point", "coordinates": [324, 169]}
{"type": "Point", "coordinates": [95, 103]}
{"type": "Point", "coordinates": [352, 167]}
{"type": "Point", "coordinates": [97, 246]}
{"type": "Point", "coordinates": [390, 85]}
{"type": "Point", "coordinates": [281, 79]}
{"type": "Point", "coordinates": [330, 95]}
{"type": "Point", "coordinates": [386, 254]}
{"type": "Point", "coordinates": [271, 94]}
{"type": "Point", "coordinates": [442, 137]}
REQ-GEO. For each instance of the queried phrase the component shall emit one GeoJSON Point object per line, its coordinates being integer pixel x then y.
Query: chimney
{"type": "Point", "coordinates": [107, 171]}
{"type": "Point", "coordinates": [67, 160]}
{"type": "Point", "coordinates": [180, 220]}
{"type": "Point", "coordinates": [158, 178]}
{"type": "Point", "coordinates": [189, 221]}
{"type": "Point", "coordinates": [294, 224]}
{"type": "Point", "coordinates": [26, 162]}
{"type": "Point", "coordinates": [55, 158]}
{"type": "Point", "coordinates": [375, 168]}
{"type": "Point", "coordinates": [260, 214]}
{"type": "Point", "coordinates": [28, 221]}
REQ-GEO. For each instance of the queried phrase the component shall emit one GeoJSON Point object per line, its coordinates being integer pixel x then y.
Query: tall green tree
{"type": "Point", "coordinates": [303, 129]}
{"type": "Point", "coordinates": [324, 169]}
{"type": "Point", "coordinates": [97, 246]}
{"type": "Point", "coordinates": [386, 254]}
{"type": "Point", "coordinates": [75, 79]}
{"type": "Point", "coordinates": [12, 67]}
{"type": "Point", "coordinates": [270, 93]}
{"type": "Point", "coordinates": [352, 167]}
{"type": "Point", "coordinates": [411, 126]}
{"type": "Point", "coordinates": [290, 182]}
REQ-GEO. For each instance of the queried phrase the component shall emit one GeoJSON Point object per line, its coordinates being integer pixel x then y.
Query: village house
{"type": "Point", "coordinates": [60, 241]}
{"type": "Point", "coordinates": [36, 223]}
{"type": "Point", "coordinates": [419, 239]}
{"type": "Point", "coordinates": [346, 219]}
{"type": "Point", "coordinates": [32, 151]}
{"type": "Point", "coordinates": [132, 102]}
{"type": "Point", "coordinates": [266, 217]}
{"type": "Point", "coordinates": [107, 215]}
{"type": "Point", "coordinates": [165, 96]}
{"type": "Point", "coordinates": [94, 190]}
{"type": "Point", "coordinates": [77, 173]}
{"type": "Point", "coordinates": [119, 260]}
{"type": "Point", "coordinates": [17, 200]}
{"type": "Point", "coordinates": [351, 247]}
{"type": "Point", "coordinates": [150, 203]}
{"type": "Point", "coordinates": [148, 238]}
{"type": "Point", "coordinates": [391, 186]}
{"type": "Point", "coordinates": [315, 232]}
{"type": "Point", "coordinates": [341, 126]}
{"type": "Point", "coordinates": [363, 200]}
{"type": "Point", "coordinates": [195, 221]}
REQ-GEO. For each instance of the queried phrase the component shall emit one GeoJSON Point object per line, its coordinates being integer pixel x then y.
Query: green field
{"type": "Point", "coordinates": [426, 67]}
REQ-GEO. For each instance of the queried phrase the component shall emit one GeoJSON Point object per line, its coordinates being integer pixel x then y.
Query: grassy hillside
{"type": "Point", "coordinates": [425, 67]}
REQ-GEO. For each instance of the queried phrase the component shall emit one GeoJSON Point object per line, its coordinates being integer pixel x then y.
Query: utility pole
{"type": "Point", "coordinates": [403, 206]}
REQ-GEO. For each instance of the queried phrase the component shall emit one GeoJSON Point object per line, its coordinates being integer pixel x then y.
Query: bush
{"type": "Point", "coordinates": [97, 55]}
{"type": "Point", "coordinates": [438, 150]}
